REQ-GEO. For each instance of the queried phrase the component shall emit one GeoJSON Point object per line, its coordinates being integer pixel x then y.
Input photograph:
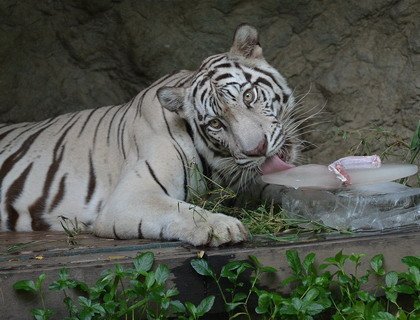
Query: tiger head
{"type": "Point", "coordinates": [240, 111]}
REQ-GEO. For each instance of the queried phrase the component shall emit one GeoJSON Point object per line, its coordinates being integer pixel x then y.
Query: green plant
{"type": "Point", "coordinates": [326, 292]}
{"type": "Point", "coordinates": [136, 293]}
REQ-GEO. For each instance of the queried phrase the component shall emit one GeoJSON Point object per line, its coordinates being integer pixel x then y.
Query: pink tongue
{"type": "Point", "coordinates": [274, 164]}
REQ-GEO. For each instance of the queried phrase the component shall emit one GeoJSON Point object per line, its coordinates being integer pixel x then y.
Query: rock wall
{"type": "Point", "coordinates": [358, 59]}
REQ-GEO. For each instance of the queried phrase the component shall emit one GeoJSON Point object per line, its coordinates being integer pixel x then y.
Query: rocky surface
{"type": "Point", "coordinates": [358, 59]}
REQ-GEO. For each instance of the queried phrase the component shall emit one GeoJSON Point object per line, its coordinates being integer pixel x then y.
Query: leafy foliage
{"type": "Point", "coordinates": [324, 292]}
{"type": "Point", "coordinates": [327, 291]}
{"type": "Point", "coordinates": [139, 292]}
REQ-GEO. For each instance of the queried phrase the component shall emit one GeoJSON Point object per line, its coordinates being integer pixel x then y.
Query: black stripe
{"type": "Point", "coordinates": [248, 76]}
{"type": "Point", "coordinates": [208, 143]}
{"type": "Point", "coordinates": [223, 76]}
{"type": "Point", "coordinates": [92, 180]}
{"type": "Point", "coordinates": [264, 81]}
{"type": "Point", "coordinates": [4, 134]}
{"type": "Point", "coordinates": [185, 174]}
{"type": "Point", "coordinates": [202, 95]}
{"type": "Point", "coordinates": [99, 123]}
{"type": "Point", "coordinates": [268, 74]}
{"type": "Point", "coordinates": [211, 60]}
{"type": "Point", "coordinates": [12, 195]}
{"type": "Point", "coordinates": [181, 154]}
{"type": "Point", "coordinates": [99, 206]}
{"type": "Point", "coordinates": [73, 115]}
{"type": "Point", "coordinates": [207, 171]}
{"type": "Point", "coordinates": [189, 131]}
{"type": "Point", "coordinates": [60, 194]}
{"type": "Point", "coordinates": [153, 85]}
{"type": "Point", "coordinates": [39, 205]}
{"type": "Point", "coordinates": [8, 164]}
{"type": "Point", "coordinates": [152, 173]}
{"type": "Point", "coordinates": [33, 126]}
{"type": "Point", "coordinates": [122, 140]}
{"type": "Point", "coordinates": [115, 233]}
{"type": "Point", "coordinates": [120, 124]}
{"type": "Point", "coordinates": [84, 124]}
{"type": "Point", "coordinates": [223, 65]}
{"type": "Point", "coordinates": [137, 147]}
{"type": "Point", "coordinates": [111, 122]}
{"type": "Point", "coordinates": [140, 234]}
{"type": "Point", "coordinates": [276, 140]}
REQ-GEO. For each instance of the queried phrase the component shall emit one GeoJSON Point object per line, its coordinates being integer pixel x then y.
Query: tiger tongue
{"type": "Point", "coordinates": [274, 164]}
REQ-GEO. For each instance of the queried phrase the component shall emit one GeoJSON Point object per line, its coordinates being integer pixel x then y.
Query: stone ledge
{"type": "Point", "coordinates": [47, 252]}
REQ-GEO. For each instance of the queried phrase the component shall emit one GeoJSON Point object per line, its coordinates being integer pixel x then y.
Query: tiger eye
{"type": "Point", "coordinates": [248, 96]}
{"type": "Point", "coordinates": [215, 124]}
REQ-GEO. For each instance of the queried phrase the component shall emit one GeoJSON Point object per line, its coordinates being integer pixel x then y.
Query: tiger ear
{"type": "Point", "coordinates": [246, 42]}
{"type": "Point", "coordinates": [171, 98]}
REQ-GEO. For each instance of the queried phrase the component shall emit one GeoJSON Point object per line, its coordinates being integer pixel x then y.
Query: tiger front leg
{"type": "Point", "coordinates": [136, 210]}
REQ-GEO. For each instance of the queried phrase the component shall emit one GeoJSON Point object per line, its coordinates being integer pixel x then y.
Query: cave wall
{"type": "Point", "coordinates": [359, 60]}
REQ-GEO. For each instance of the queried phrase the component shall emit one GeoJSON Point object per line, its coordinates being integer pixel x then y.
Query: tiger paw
{"type": "Point", "coordinates": [214, 230]}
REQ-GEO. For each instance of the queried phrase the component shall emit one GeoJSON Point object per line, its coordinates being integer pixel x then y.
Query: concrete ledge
{"type": "Point", "coordinates": [26, 255]}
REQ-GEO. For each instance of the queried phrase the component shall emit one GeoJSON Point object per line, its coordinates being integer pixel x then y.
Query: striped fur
{"type": "Point", "coordinates": [126, 171]}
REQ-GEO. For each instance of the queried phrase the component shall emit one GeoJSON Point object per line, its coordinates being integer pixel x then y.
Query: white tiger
{"type": "Point", "coordinates": [126, 171]}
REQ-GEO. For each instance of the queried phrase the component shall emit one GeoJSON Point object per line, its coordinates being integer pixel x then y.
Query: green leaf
{"type": "Point", "coordinates": [314, 308]}
{"type": "Point", "coordinates": [311, 295]}
{"type": "Point", "coordinates": [171, 293]}
{"type": "Point", "coordinates": [401, 315]}
{"type": "Point", "coordinates": [39, 281]}
{"type": "Point", "coordinates": [391, 279]}
{"type": "Point", "coordinates": [415, 275]}
{"type": "Point", "coordinates": [263, 303]}
{"type": "Point", "coordinates": [205, 305]}
{"type": "Point", "coordinates": [84, 302]}
{"type": "Point", "coordinates": [177, 306]}
{"type": "Point", "coordinates": [391, 296]}
{"type": "Point", "coordinates": [233, 269]}
{"type": "Point", "coordinates": [230, 306]}
{"type": "Point", "coordinates": [356, 258]}
{"type": "Point", "coordinates": [191, 308]}
{"type": "Point", "coordinates": [144, 262]}
{"type": "Point", "coordinates": [411, 261]}
{"type": "Point", "coordinates": [202, 267]}
{"type": "Point", "coordinates": [293, 260]}
{"type": "Point", "coordinates": [268, 269]}
{"type": "Point", "coordinates": [149, 279]}
{"type": "Point", "coordinates": [42, 314]}
{"type": "Point", "coordinates": [376, 263]}
{"type": "Point", "coordinates": [403, 288]}
{"type": "Point", "coordinates": [297, 304]}
{"type": "Point", "coordinates": [340, 258]}
{"type": "Point", "coordinates": [288, 309]}
{"type": "Point", "coordinates": [71, 308]}
{"type": "Point", "coordinates": [25, 285]}
{"type": "Point", "coordinates": [381, 315]}
{"type": "Point", "coordinates": [161, 274]}
{"type": "Point", "coordinates": [365, 296]}
{"type": "Point", "coordinates": [308, 262]}
{"type": "Point", "coordinates": [255, 261]}
{"type": "Point", "coordinates": [63, 281]}
{"type": "Point", "coordinates": [240, 296]}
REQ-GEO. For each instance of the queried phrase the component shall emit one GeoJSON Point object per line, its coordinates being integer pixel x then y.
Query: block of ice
{"type": "Point", "coordinates": [320, 177]}
{"type": "Point", "coordinates": [374, 207]}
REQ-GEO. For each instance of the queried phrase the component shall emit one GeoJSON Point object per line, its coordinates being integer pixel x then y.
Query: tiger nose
{"type": "Point", "coordinates": [260, 150]}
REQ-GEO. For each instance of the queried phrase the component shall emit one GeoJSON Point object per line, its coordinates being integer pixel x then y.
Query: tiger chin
{"type": "Point", "coordinates": [126, 171]}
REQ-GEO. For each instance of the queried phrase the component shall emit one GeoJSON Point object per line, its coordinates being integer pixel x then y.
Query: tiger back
{"type": "Point", "coordinates": [127, 171]}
